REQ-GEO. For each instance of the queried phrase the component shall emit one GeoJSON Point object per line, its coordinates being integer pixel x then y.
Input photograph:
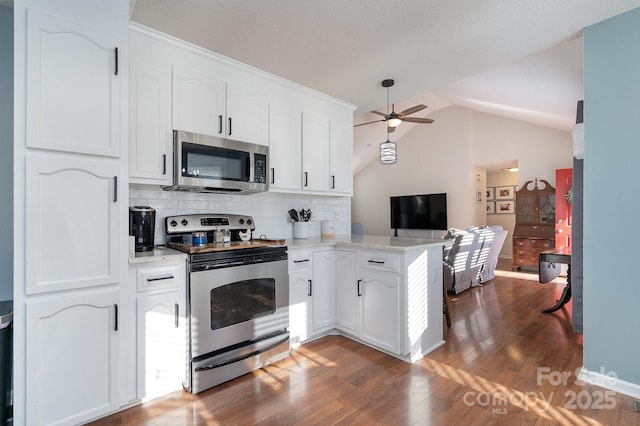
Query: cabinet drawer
{"type": "Point", "coordinates": [379, 260]}
{"type": "Point", "coordinates": [300, 259]}
{"type": "Point", "coordinates": [533, 243]}
{"type": "Point", "coordinates": [526, 260]}
{"type": "Point", "coordinates": [159, 277]}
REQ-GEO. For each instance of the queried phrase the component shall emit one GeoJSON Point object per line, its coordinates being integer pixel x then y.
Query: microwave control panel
{"type": "Point", "coordinates": [260, 168]}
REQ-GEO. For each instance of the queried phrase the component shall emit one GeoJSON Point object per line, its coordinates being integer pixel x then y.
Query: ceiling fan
{"type": "Point", "coordinates": [393, 118]}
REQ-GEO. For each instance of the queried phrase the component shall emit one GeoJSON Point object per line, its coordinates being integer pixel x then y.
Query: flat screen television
{"type": "Point", "coordinates": [419, 212]}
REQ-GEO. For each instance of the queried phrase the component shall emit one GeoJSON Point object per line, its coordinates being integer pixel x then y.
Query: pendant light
{"type": "Point", "coordinates": [388, 151]}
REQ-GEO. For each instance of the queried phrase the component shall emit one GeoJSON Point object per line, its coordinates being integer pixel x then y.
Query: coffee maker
{"type": "Point", "coordinates": [142, 223]}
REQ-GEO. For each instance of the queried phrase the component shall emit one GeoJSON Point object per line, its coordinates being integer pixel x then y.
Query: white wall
{"type": "Point", "coordinates": [6, 148]}
{"type": "Point", "coordinates": [448, 155]}
{"type": "Point", "coordinates": [269, 210]}
{"type": "Point", "coordinates": [538, 150]}
{"type": "Point", "coordinates": [431, 159]}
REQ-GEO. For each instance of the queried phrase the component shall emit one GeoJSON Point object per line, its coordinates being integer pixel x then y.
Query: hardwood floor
{"type": "Point", "coordinates": [504, 362]}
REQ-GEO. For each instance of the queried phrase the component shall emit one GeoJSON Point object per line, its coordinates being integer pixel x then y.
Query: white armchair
{"type": "Point", "coordinates": [489, 268]}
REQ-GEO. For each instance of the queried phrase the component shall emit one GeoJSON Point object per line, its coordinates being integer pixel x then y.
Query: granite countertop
{"type": "Point", "coordinates": [366, 241]}
{"type": "Point", "coordinates": [158, 254]}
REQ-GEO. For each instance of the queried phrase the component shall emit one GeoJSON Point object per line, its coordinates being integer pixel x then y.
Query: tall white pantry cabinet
{"type": "Point", "coordinates": [71, 186]}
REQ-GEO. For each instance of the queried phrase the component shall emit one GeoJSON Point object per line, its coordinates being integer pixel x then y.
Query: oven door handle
{"type": "Point", "coordinates": [224, 362]}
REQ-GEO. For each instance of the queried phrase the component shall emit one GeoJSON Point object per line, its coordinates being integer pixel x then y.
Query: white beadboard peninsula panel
{"type": "Point", "coordinates": [269, 210]}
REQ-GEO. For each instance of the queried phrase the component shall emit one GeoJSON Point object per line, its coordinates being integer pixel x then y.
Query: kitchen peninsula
{"type": "Point", "coordinates": [382, 291]}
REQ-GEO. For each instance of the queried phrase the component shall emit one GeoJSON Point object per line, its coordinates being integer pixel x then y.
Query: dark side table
{"type": "Point", "coordinates": [549, 268]}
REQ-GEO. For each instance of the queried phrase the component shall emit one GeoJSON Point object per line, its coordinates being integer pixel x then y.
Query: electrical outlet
{"type": "Point", "coordinates": [636, 406]}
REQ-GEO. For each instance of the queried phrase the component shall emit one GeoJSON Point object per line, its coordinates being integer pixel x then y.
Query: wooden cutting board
{"type": "Point", "coordinates": [235, 245]}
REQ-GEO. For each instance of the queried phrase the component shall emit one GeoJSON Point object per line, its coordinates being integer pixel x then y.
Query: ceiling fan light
{"type": "Point", "coordinates": [388, 152]}
{"type": "Point", "coordinates": [393, 122]}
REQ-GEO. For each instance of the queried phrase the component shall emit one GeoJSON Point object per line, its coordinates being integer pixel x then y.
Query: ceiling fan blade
{"type": "Point", "coordinates": [411, 110]}
{"type": "Point", "coordinates": [370, 122]}
{"type": "Point", "coordinates": [379, 113]}
{"type": "Point", "coordinates": [417, 120]}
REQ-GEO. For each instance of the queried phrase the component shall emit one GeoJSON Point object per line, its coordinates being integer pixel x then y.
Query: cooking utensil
{"type": "Point", "coordinates": [294, 215]}
{"type": "Point", "coordinates": [305, 215]}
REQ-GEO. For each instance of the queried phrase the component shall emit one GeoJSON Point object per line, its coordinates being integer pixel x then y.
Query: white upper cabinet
{"type": "Point", "coordinates": [198, 102]}
{"type": "Point", "coordinates": [204, 103]}
{"type": "Point", "coordinates": [285, 147]}
{"type": "Point", "coordinates": [315, 152]}
{"type": "Point", "coordinates": [73, 86]}
{"type": "Point", "coordinates": [247, 114]}
{"type": "Point", "coordinates": [342, 157]}
{"type": "Point", "coordinates": [150, 135]}
{"type": "Point", "coordinates": [72, 215]}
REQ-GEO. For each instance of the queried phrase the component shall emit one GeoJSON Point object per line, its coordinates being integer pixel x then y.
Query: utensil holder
{"type": "Point", "coordinates": [300, 229]}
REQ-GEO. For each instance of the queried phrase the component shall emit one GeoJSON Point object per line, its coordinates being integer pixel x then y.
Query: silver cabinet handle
{"type": "Point", "coordinates": [177, 311]}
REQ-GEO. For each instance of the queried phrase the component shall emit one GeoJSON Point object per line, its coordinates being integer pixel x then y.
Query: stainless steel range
{"type": "Point", "coordinates": [238, 297]}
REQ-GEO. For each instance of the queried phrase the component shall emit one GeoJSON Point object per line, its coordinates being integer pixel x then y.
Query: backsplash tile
{"type": "Point", "coordinates": [268, 209]}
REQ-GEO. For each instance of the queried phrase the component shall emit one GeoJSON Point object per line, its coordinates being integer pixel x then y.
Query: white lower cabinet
{"type": "Point", "coordinates": [380, 299]}
{"type": "Point", "coordinates": [311, 293]}
{"type": "Point", "coordinates": [368, 301]}
{"type": "Point", "coordinates": [300, 306]}
{"type": "Point", "coordinates": [72, 363]}
{"type": "Point", "coordinates": [161, 345]}
{"type": "Point", "coordinates": [160, 313]}
{"type": "Point", "coordinates": [346, 292]}
{"type": "Point", "coordinates": [323, 290]}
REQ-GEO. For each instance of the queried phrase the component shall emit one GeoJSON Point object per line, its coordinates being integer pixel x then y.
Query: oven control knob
{"type": "Point", "coordinates": [241, 221]}
{"type": "Point", "coordinates": [249, 221]}
{"type": "Point", "coordinates": [184, 222]}
{"type": "Point", "coordinates": [173, 223]}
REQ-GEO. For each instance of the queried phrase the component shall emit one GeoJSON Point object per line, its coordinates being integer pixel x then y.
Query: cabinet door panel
{"type": "Point", "coordinates": [161, 344]}
{"type": "Point", "coordinates": [285, 147]}
{"type": "Point", "coordinates": [342, 157]}
{"type": "Point", "coordinates": [150, 133]}
{"type": "Point", "coordinates": [324, 296]}
{"type": "Point", "coordinates": [300, 306]}
{"type": "Point", "coordinates": [72, 87]}
{"type": "Point", "coordinates": [71, 361]}
{"type": "Point", "coordinates": [381, 310]}
{"type": "Point", "coordinates": [72, 219]}
{"type": "Point", "coordinates": [198, 102]}
{"type": "Point", "coordinates": [247, 115]}
{"type": "Point", "coordinates": [315, 153]}
{"type": "Point", "coordinates": [346, 292]}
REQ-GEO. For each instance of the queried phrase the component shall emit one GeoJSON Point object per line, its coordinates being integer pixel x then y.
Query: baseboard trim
{"type": "Point", "coordinates": [615, 384]}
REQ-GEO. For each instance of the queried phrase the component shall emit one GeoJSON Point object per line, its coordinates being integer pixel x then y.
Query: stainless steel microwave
{"type": "Point", "coordinates": [205, 163]}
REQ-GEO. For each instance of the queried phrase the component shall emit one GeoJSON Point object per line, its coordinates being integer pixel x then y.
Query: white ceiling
{"type": "Point", "coordinates": [518, 58]}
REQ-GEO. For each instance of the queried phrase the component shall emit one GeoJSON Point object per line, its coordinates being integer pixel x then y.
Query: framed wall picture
{"type": "Point", "coordinates": [491, 193]}
{"type": "Point", "coordinates": [491, 207]}
{"type": "Point", "coordinates": [505, 192]}
{"type": "Point", "coordinates": [505, 207]}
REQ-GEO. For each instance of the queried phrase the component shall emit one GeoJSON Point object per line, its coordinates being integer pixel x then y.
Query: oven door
{"type": "Point", "coordinates": [237, 304]}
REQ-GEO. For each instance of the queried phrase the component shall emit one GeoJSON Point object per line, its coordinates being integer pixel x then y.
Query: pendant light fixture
{"type": "Point", "coordinates": [388, 151]}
